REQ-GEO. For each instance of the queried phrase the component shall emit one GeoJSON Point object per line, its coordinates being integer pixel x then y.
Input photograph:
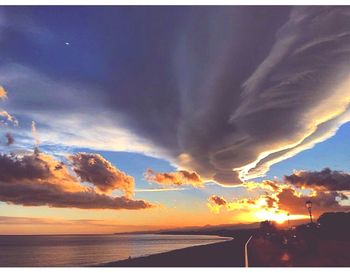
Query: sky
{"type": "Point", "coordinates": [117, 119]}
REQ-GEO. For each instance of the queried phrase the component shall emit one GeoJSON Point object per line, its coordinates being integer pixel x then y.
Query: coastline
{"type": "Point", "coordinates": [228, 253]}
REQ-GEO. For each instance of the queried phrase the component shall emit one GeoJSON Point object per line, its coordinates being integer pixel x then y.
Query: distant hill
{"type": "Point", "coordinates": [210, 229]}
{"type": "Point", "coordinates": [207, 229]}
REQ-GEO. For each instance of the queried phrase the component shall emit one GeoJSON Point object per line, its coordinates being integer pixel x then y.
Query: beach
{"type": "Point", "coordinates": [222, 254]}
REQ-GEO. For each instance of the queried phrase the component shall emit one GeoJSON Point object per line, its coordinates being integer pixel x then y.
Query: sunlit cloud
{"type": "Point", "coordinates": [280, 202]}
{"type": "Point", "coordinates": [178, 178]}
{"type": "Point", "coordinates": [100, 172]}
{"type": "Point", "coordinates": [40, 180]}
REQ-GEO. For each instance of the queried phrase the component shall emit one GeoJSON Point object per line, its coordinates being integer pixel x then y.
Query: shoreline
{"type": "Point", "coordinates": [228, 239]}
{"type": "Point", "coordinates": [228, 253]}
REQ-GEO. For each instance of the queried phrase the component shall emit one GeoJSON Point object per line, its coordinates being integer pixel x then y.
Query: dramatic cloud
{"type": "Point", "coordinates": [95, 169]}
{"type": "Point", "coordinates": [39, 180]}
{"type": "Point", "coordinates": [303, 100]}
{"type": "Point", "coordinates": [325, 179]}
{"type": "Point", "coordinates": [10, 139]}
{"type": "Point", "coordinates": [207, 97]}
{"type": "Point", "coordinates": [178, 178]}
{"type": "Point", "coordinates": [254, 106]}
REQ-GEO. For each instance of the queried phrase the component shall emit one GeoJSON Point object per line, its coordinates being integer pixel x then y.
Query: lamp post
{"type": "Point", "coordinates": [308, 205]}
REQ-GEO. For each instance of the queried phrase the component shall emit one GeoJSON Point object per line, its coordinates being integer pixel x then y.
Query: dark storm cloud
{"type": "Point", "coordinates": [39, 180]}
{"type": "Point", "coordinates": [216, 89]}
{"type": "Point", "coordinates": [237, 98]}
{"type": "Point", "coordinates": [325, 179]}
{"type": "Point", "coordinates": [97, 170]}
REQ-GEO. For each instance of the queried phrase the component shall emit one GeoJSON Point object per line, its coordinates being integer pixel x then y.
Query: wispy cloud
{"type": "Point", "coordinates": [159, 190]}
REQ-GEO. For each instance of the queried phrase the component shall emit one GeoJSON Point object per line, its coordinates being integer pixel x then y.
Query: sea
{"type": "Point", "coordinates": [90, 250]}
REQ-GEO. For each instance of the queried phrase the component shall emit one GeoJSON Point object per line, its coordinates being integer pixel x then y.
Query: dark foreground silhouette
{"type": "Point", "coordinates": [323, 243]}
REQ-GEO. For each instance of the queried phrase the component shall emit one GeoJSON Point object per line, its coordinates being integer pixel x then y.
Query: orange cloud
{"type": "Point", "coordinates": [3, 93]}
{"type": "Point", "coordinates": [101, 173]}
{"type": "Point", "coordinates": [280, 201]}
{"type": "Point", "coordinates": [178, 178]}
{"type": "Point", "coordinates": [39, 180]}
{"type": "Point", "coordinates": [36, 169]}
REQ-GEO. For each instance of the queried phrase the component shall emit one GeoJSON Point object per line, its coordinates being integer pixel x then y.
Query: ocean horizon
{"type": "Point", "coordinates": [90, 250]}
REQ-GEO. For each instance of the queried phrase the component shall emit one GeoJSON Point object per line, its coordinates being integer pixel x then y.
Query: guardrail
{"type": "Point", "coordinates": [246, 261]}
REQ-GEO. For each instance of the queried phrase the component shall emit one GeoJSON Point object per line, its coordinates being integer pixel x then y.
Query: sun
{"type": "Point", "coordinates": [278, 217]}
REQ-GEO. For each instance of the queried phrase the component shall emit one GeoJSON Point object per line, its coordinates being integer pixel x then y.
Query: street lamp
{"type": "Point", "coordinates": [308, 205]}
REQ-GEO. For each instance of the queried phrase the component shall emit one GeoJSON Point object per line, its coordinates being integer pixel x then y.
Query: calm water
{"type": "Point", "coordinates": [83, 250]}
